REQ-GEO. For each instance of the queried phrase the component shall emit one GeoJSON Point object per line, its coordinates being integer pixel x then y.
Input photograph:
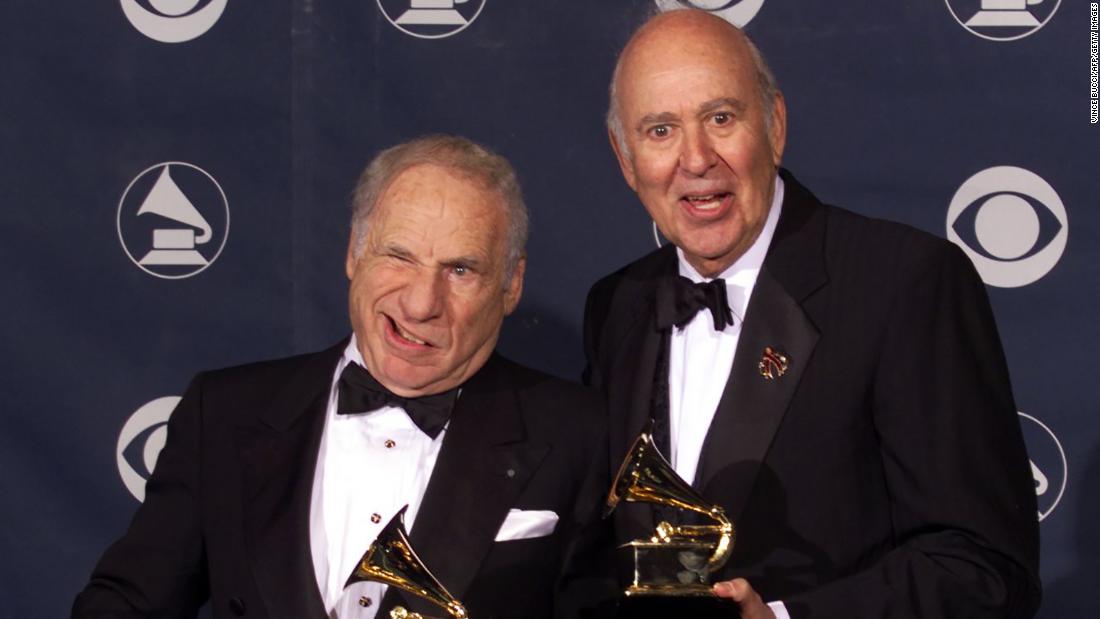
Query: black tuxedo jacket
{"type": "Point", "coordinates": [884, 474]}
{"type": "Point", "coordinates": [226, 514]}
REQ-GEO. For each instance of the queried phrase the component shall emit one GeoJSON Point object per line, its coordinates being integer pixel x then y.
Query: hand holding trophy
{"type": "Point", "coordinates": [677, 561]}
{"type": "Point", "coordinates": [391, 560]}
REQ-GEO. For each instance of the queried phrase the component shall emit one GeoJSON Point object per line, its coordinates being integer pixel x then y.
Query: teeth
{"type": "Point", "coordinates": [705, 203]}
{"type": "Point", "coordinates": [708, 202]}
{"type": "Point", "coordinates": [408, 336]}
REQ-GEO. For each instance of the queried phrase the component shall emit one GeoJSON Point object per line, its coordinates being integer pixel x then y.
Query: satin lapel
{"type": "Point", "coordinates": [632, 369]}
{"type": "Point", "coordinates": [634, 342]}
{"type": "Point", "coordinates": [278, 457]}
{"type": "Point", "coordinates": [630, 404]}
{"type": "Point", "coordinates": [630, 397]}
{"type": "Point", "coordinates": [484, 464]}
{"type": "Point", "coordinates": [752, 406]}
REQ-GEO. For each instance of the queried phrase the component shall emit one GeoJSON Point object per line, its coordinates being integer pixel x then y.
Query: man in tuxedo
{"type": "Point", "coordinates": [845, 398]}
{"type": "Point", "coordinates": [277, 476]}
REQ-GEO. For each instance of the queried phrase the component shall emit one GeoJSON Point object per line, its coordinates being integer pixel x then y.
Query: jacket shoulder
{"type": "Point", "coordinates": [886, 245]}
{"type": "Point", "coordinates": [257, 385]}
{"type": "Point", "coordinates": [549, 399]}
{"type": "Point", "coordinates": [644, 269]}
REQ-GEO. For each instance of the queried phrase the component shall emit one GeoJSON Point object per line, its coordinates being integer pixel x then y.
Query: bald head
{"type": "Point", "coordinates": [686, 32]}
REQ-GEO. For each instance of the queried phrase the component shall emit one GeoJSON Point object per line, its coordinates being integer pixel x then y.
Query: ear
{"type": "Point", "coordinates": [350, 260]}
{"type": "Point", "coordinates": [625, 164]}
{"type": "Point", "coordinates": [515, 287]}
{"type": "Point", "coordinates": [779, 128]}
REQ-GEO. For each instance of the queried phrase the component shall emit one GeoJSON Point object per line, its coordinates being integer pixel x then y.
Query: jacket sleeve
{"type": "Point", "coordinates": [962, 503]}
{"type": "Point", "coordinates": [158, 568]}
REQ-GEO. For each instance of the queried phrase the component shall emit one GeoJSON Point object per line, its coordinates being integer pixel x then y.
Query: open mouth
{"type": "Point", "coordinates": [402, 334]}
{"type": "Point", "coordinates": [706, 202]}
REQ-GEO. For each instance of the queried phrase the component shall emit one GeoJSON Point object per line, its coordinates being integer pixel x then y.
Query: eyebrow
{"type": "Point", "coordinates": [717, 104]}
{"type": "Point", "coordinates": [470, 261]}
{"type": "Point", "coordinates": [655, 119]}
{"type": "Point", "coordinates": [397, 250]}
{"type": "Point", "coordinates": [706, 108]}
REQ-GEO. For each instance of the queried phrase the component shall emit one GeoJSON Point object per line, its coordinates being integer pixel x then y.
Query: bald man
{"type": "Point", "coordinates": [841, 392]}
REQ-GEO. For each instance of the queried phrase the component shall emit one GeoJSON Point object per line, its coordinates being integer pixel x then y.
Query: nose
{"type": "Point", "coordinates": [696, 152]}
{"type": "Point", "coordinates": [423, 297]}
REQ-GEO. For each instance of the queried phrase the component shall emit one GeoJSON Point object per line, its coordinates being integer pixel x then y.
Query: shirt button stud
{"type": "Point", "coordinates": [389, 443]}
{"type": "Point", "coordinates": [365, 601]}
{"type": "Point", "coordinates": [375, 518]}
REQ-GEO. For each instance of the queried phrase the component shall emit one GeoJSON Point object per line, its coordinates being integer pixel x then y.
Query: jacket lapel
{"type": "Point", "coordinates": [635, 343]}
{"type": "Point", "coordinates": [752, 406]}
{"type": "Point", "coordinates": [278, 457]}
{"type": "Point", "coordinates": [484, 464]}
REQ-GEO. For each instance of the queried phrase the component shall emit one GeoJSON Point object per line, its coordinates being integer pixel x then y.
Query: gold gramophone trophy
{"type": "Point", "coordinates": [677, 560]}
{"type": "Point", "coordinates": [391, 560]}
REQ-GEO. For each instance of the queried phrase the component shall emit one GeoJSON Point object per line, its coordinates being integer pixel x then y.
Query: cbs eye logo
{"type": "Point", "coordinates": [1011, 223]}
{"type": "Point", "coordinates": [737, 12]}
{"type": "Point", "coordinates": [140, 442]}
{"type": "Point", "coordinates": [173, 21]}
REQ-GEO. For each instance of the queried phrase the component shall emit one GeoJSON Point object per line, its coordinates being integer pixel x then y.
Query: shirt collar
{"type": "Point", "coordinates": [351, 355]}
{"type": "Point", "coordinates": [741, 275]}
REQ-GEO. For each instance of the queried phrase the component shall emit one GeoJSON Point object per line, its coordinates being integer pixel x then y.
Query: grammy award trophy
{"type": "Point", "coordinates": [672, 568]}
{"type": "Point", "coordinates": [391, 560]}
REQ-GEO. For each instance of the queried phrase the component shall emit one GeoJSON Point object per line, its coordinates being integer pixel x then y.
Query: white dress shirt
{"type": "Point", "coordinates": [700, 358]}
{"type": "Point", "coordinates": [368, 467]}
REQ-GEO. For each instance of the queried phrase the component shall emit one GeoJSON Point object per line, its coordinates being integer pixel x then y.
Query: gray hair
{"type": "Point", "coordinates": [464, 156]}
{"type": "Point", "coordinates": [767, 86]}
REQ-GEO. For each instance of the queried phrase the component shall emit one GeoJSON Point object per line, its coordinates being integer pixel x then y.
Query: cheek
{"type": "Point", "coordinates": [364, 292]}
{"type": "Point", "coordinates": [654, 172]}
{"type": "Point", "coordinates": [477, 319]}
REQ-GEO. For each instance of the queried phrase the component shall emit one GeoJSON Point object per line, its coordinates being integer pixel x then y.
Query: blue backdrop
{"type": "Point", "coordinates": [176, 175]}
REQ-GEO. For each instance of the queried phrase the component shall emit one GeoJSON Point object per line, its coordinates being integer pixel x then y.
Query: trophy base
{"type": "Point", "coordinates": [666, 590]}
{"type": "Point", "coordinates": [669, 569]}
{"type": "Point", "coordinates": [661, 607]}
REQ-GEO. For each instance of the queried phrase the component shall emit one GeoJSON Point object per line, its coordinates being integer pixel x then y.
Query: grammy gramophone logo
{"type": "Point", "coordinates": [1002, 20]}
{"type": "Point", "coordinates": [739, 12]}
{"type": "Point", "coordinates": [431, 19]}
{"type": "Point", "coordinates": [173, 220]}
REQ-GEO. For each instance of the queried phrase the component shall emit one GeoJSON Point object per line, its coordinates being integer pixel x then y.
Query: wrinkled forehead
{"type": "Point", "coordinates": [429, 200]}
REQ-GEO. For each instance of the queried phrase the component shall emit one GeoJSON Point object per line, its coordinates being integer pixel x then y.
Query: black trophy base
{"type": "Point", "coordinates": [666, 607]}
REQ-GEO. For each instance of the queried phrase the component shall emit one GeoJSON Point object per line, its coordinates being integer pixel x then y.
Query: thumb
{"type": "Point", "coordinates": [735, 589]}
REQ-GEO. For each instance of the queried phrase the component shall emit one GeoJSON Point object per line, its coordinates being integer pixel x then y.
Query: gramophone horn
{"type": "Point", "coordinates": [392, 560]}
{"type": "Point", "coordinates": [645, 476]}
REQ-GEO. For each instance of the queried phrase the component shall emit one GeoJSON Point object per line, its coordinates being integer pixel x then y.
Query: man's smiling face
{"type": "Point", "coordinates": [698, 150]}
{"type": "Point", "coordinates": [428, 292]}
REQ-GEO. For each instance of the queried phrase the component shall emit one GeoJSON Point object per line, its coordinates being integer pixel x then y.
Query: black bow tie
{"type": "Point", "coordinates": [360, 392]}
{"type": "Point", "coordinates": [679, 299]}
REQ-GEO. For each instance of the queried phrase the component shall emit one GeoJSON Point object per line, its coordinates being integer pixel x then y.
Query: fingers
{"type": "Point", "coordinates": [737, 589]}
